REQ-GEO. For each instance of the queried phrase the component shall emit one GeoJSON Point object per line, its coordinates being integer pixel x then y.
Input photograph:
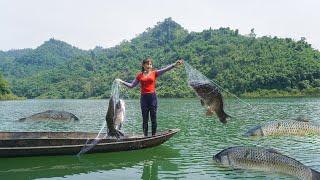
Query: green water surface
{"type": "Point", "coordinates": [188, 155]}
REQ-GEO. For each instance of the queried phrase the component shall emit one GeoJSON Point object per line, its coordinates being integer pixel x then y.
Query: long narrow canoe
{"type": "Point", "coordinates": [14, 144]}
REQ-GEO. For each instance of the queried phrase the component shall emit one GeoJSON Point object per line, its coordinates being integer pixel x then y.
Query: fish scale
{"type": "Point", "coordinates": [290, 127]}
{"type": "Point", "coordinates": [258, 158]}
{"type": "Point", "coordinates": [111, 116]}
{"type": "Point", "coordinates": [210, 96]}
{"type": "Point", "coordinates": [287, 127]}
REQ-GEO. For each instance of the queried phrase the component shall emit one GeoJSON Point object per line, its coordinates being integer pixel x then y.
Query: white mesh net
{"type": "Point", "coordinates": [115, 98]}
{"type": "Point", "coordinates": [206, 88]}
{"type": "Point", "coordinates": [194, 76]}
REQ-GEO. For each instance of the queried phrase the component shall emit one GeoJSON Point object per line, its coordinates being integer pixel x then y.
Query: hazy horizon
{"type": "Point", "coordinates": [87, 24]}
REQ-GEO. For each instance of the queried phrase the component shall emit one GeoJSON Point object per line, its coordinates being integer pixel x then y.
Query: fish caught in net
{"type": "Point", "coordinates": [209, 93]}
{"type": "Point", "coordinates": [114, 119]}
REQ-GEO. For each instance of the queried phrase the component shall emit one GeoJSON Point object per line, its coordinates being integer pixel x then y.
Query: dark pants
{"type": "Point", "coordinates": [149, 105]}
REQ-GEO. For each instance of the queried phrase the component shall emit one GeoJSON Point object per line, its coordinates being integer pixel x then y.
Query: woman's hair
{"type": "Point", "coordinates": [145, 61]}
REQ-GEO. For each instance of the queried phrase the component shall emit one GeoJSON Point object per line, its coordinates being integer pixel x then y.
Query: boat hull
{"type": "Point", "coordinates": [14, 144]}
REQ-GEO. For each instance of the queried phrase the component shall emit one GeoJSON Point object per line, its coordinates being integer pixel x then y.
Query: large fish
{"type": "Point", "coordinates": [51, 115]}
{"type": "Point", "coordinates": [257, 158]}
{"type": "Point", "coordinates": [113, 116]}
{"type": "Point", "coordinates": [210, 97]}
{"type": "Point", "coordinates": [119, 114]}
{"type": "Point", "coordinates": [286, 127]}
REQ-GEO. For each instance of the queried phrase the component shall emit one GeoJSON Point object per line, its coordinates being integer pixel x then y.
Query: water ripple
{"type": "Point", "coordinates": [188, 155]}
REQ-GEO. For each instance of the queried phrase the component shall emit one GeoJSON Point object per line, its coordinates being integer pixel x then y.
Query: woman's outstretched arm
{"type": "Point", "coordinates": [133, 84]}
{"type": "Point", "coordinates": [163, 70]}
{"type": "Point", "coordinates": [168, 68]}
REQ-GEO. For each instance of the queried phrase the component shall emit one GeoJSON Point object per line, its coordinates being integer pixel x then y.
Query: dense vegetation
{"type": "Point", "coordinates": [5, 92]}
{"type": "Point", "coordinates": [242, 64]}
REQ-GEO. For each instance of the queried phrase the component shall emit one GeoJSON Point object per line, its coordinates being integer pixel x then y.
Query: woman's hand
{"type": "Point", "coordinates": [178, 63]}
{"type": "Point", "coordinates": [119, 80]}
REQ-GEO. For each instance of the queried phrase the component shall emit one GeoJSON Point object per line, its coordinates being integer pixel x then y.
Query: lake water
{"type": "Point", "coordinates": [188, 155]}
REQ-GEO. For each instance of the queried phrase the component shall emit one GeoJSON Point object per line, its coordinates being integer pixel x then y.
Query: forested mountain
{"type": "Point", "coordinates": [49, 55]}
{"type": "Point", "coordinates": [243, 64]}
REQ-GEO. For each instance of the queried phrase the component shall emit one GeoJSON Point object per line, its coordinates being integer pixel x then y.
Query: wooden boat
{"type": "Point", "coordinates": [14, 144]}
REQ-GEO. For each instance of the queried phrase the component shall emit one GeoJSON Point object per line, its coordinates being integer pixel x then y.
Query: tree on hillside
{"type": "Point", "coordinates": [4, 86]}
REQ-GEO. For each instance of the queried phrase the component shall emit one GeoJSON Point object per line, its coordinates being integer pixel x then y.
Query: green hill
{"type": "Point", "coordinates": [244, 65]}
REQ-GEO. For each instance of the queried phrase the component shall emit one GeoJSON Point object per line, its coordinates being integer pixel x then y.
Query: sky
{"type": "Point", "coordinates": [90, 23]}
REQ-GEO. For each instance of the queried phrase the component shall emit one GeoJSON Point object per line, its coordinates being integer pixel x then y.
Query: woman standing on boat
{"type": "Point", "coordinates": [148, 101]}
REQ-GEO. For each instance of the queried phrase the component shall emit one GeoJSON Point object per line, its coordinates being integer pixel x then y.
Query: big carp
{"type": "Point", "coordinates": [210, 97]}
{"type": "Point", "coordinates": [51, 115]}
{"type": "Point", "coordinates": [285, 127]}
{"type": "Point", "coordinates": [258, 158]}
{"type": "Point", "coordinates": [114, 117]}
{"type": "Point", "coordinates": [119, 114]}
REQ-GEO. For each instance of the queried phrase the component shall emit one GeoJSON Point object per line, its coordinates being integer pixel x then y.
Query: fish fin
{"type": "Point", "coordinates": [271, 150]}
{"type": "Point", "coordinates": [115, 133]}
{"type": "Point", "coordinates": [302, 119]}
{"type": "Point", "coordinates": [247, 154]}
{"type": "Point", "coordinates": [76, 118]}
{"type": "Point", "coordinates": [209, 112]}
{"type": "Point", "coordinates": [224, 117]}
{"type": "Point", "coordinates": [22, 119]}
{"type": "Point", "coordinates": [227, 115]}
{"type": "Point", "coordinates": [121, 133]}
{"type": "Point", "coordinates": [202, 102]}
{"type": "Point", "coordinates": [315, 174]}
{"type": "Point", "coordinates": [223, 120]}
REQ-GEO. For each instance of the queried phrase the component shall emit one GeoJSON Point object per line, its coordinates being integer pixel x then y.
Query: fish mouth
{"type": "Point", "coordinates": [247, 134]}
{"type": "Point", "coordinates": [218, 156]}
{"type": "Point", "coordinates": [255, 131]}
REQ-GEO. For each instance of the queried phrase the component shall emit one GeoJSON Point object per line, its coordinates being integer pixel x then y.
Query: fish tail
{"type": "Point", "coordinates": [224, 117]}
{"type": "Point", "coordinates": [227, 115]}
{"type": "Point", "coordinates": [315, 174]}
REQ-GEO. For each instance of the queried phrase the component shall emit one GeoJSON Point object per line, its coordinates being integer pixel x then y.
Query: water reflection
{"type": "Point", "coordinates": [60, 166]}
{"type": "Point", "coordinates": [150, 170]}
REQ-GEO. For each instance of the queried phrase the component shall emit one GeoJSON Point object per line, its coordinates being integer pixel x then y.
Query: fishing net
{"type": "Point", "coordinates": [194, 76]}
{"type": "Point", "coordinates": [196, 79]}
{"type": "Point", "coordinates": [117, 93]}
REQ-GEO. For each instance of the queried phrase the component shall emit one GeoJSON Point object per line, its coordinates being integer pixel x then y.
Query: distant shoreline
{"type": "Point", "coordinates": [9, 97]}
{"type": "Point", "coordinates": [250, 96]}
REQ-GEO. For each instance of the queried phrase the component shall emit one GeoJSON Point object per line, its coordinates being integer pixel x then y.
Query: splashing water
{"type": "Point", "coordinates": [115, 92]}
